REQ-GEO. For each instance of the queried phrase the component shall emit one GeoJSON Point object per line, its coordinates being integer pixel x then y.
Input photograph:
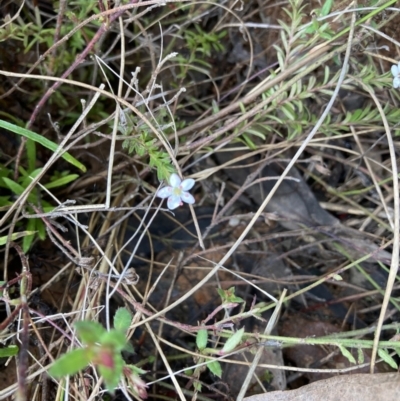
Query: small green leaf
{"type": "Point", "coordinates": [42, 140]}
{"type": "Point", "coordinates": [28, 176]}
{"type": "Point", "coordinates": [347, 354]}
{"type": "Point", "coordinates": [215, 368]}
{"type": "Point", "coordinates": [61, 181]}
{"type": "Point", "coordinates": [115, 339]}
{"type": "Point", "coordinates": [228, 296]}
{"type": "Point", "coordinates": [221, 293]}
{"type": "Point", "coordinates": [71, 363]}
{"type": "Point", "coordinates": [41, 228]}
{"type": "Point", "coordinates": [27, 241]}
{"type": "Point", "coordinates": [122, 319]}
{"type": "Point", "coordinates": [201, 339]}
{"type": "Point", "coordinates": [289, 113]}
{"type": "Point", "coordinates": [326, 8]}
{"type": "Point", "coordinates": [89, 332]}
{"type": "Point", "coordinates": [11, 350]}
{"type": "Point", "coordinates": [15, 236]}
{"type": "Point", "coordinates": [31, 154]}
{"type": "Point", "coordinates": [387, 358]}
{"type": "Point", "coordinates": [18, 189]}
{"type": "Point", "coordinates": [136, 370]}
{"type": "Point", "coordinates": [360, 356]}
{"type": "Point", "coordinates": [233, 341]}
{"type": "Point", "coordinates": [313, 27]}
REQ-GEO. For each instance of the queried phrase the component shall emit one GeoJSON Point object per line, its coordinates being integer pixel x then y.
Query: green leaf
{"type": "Point", "coordinates": [41, 228]}
{"type": "Point", "coordinates": [215, 368]}
{"type": "Point", "coordinates": [71, 363]}
{"type": "Point", "coordinates": [233, 341]}
{"type": "Point", "coordinates": [61, 181]}
{"type": "Point", "coordinates": [288, 111]}
{"type": "Point", "coordinates": [360, 356]}
{"type": "Point", "coordinates": [31, 154]}
{"type": "Point", "coordinates": [387, 358]}
{"type": "Point", "coordinates": [326, 8]}
{"type": "Point", "coordinates": [42, 140]}
{"type": "Point", "coordinates": [27, 241]}
{"type": "Point", "coordinates": [136, 370]}
{"type": "Point", "coordinates": [122, 319]}
{"type": "Point", "coordinates": [15, 236]}
{"type": "Point", "coordinates": [29, 176]}
{"type": "Point", "coordinates": [113, 338]}
{"type": "Point", "coordinates": [222, 294]}
{"type": "Point", "coordinates": [347, 354]}
{"type": "Point", "coordinates": [201, 339]}
{"type": "Point", "coordinates": [18, 189]}
{"type": "Point", "coordinates": [89, 332]}
{"type": "Point", "coordinates": [248, 142]}
{"type": "Point", "coordinates": [11, 350]}
{"type": "Point", "coordinates": [228, 296]}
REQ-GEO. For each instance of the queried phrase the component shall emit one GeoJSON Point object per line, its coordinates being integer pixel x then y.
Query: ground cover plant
{"type": "Point", "coordinates": [198, 200]}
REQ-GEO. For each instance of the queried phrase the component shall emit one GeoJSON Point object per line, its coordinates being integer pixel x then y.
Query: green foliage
{"type": "Point", "coordinates": [215, 368]}
{"type": "Point", "coordinates": [233, 341]}
{"type": "Point", "coordinates": [292, 112]}
{"type": "Point", "coordinates": [296, 109]}
{"type": "Point", "coordinates": [326, 7]}
{"type": "Point", "coordinates": [42, 141]}
{"type": "Point", "coordinates": [71, 363]}
{"type": "Point", "coordinates": [143, 143]}
{"type": "Point", "coordinates": [384, 354]}
{"type": "Point", "coordinates": [34, 226]}
{"type": "Point", "coordinates": [103, 349]}
{"type": "Point", "coordinates": [122, 319]}
{"type": "Point", "coordinates": [81, 9]}
{"type": "Point", "coordinates": [347, 354]}
{"type": "Point", "coordinates": [228, 296]}
{"type": "Point", "coordinates": [33, 34]}
{"type": "Point", "coordinates": [15, 236]}
{"type": "Point", "coordinates": [8, 351]}
{"type": "Point", "coordinates": [201, 339]}
{"type": "Point", "coordinates": [201, 44]}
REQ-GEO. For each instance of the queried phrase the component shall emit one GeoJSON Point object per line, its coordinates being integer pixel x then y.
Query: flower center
{"type": "Point", "coordinates": [177, 191]}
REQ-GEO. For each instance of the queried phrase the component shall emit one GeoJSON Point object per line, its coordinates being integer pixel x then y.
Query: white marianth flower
{"type": "Point", "coordinates": [176, 192]}
{"type": "Point", "coordinates": [396, 74]}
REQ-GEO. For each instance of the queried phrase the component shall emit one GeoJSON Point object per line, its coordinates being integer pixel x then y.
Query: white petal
{"type": "Point", "coordinates": [174, 201]}
{"type": "Point", "coordinates": [396, 82]}
{"type": "Point", "coordinates": [187, 184]}
{"type": "Point", "coordinates": [395, 70]}
{"type": "Point", "coordinates": [164, 192]}
{"type": "Point", "coordinates": [187, 197]}
{"type": "Point", "coordinates": [175, 180]}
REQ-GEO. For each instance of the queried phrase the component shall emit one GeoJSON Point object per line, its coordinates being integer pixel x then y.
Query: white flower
{"type": "Point", "coordinates": [396, 73]}
{"type": "Point", "coordinates": [176, 192]}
